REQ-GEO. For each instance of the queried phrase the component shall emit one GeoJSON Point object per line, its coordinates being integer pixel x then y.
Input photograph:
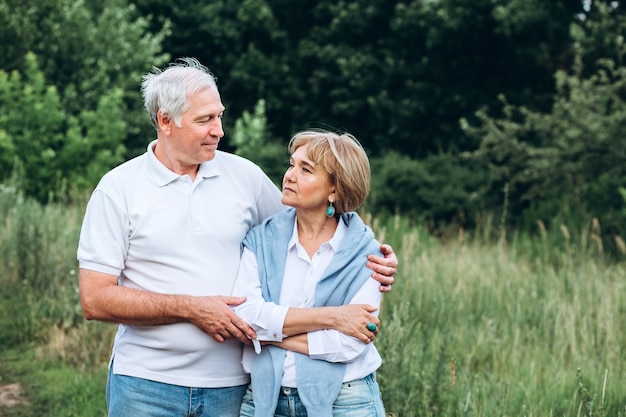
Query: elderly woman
{"type": "Point", "coordinates": [298, 264]}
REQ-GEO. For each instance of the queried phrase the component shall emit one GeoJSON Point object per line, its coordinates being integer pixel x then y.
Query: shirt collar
{"type": "Point", "coordinates": [334, 242]}
{"type": "Point", "coordinates": [163, 175]}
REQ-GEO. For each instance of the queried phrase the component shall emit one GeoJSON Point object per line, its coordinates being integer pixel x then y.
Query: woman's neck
{"type": "Point", "coordinates": [313, 231]}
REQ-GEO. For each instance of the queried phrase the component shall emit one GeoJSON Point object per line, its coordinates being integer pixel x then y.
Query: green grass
{"type": "Point", "coordinates": [53, 387]}
{"type": "Point", "coordinates": [521, 333]}
{"type": "Point", "coordinates": [530, 325]}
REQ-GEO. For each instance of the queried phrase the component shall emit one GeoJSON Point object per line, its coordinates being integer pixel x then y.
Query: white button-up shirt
{"type": "Point", "coordinates": [298, 290]}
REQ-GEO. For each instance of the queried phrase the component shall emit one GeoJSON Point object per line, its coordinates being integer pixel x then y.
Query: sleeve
{"type": "Point", "coordinates": [268, 202]}
{"type": "Point", "coordinates": [334, 346]}
{"type": "Point", "coordinates": [266, 318]}
{"type": "Point", "coordinates": [104, 236]}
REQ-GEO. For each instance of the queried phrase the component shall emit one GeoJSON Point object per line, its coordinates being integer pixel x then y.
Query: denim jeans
{"type": "Point", "coordinates": [360, 398]}
{"type": "Point", "coordinates": [129, 396]}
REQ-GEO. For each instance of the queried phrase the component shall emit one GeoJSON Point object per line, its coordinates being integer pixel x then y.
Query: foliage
{"type": "Point", "coordinates": [251, 141]}
{"type": "Point", "coordinates": [55, 389]}
{"type": "Point", "coordinates": [435, 188]}
{"type": "Point", "coordinates": [448, 58]}
{"type": "Point", "coordinates": [397, 74]}
{"type": "Point", "coordinates": [54, 150]}
{"type": "Point", "coordinates": [569, 162]}
{"type": "Point", "coordinates": [600, 35]}
{"type": "Point", "coordinates": [86, 50]}
{"type": "Point", "coordinates": [38, 250]}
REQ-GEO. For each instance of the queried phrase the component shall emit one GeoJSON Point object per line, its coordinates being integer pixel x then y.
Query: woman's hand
{"type": "Point", "coordinates": [352, 320]}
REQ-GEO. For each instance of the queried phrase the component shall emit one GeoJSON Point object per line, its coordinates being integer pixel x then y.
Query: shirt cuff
{"type": "Point", "coordinates": [99, 268]}
{"type": "Point", "coordinates": [274, 331]}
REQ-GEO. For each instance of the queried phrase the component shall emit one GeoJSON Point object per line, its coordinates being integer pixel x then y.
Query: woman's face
{"type": "Point", "coordinates": [306, 185]}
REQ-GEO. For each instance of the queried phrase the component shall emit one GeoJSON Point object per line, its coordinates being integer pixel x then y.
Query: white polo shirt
{"type": "Point", "coordinates": [161, 232]}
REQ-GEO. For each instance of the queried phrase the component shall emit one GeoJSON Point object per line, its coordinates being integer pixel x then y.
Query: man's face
{"type": "Point", "coordinates": [196, 140]}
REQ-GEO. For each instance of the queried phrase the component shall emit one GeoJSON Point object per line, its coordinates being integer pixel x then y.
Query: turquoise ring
{"type": "Point", "coordinates": [371, 327]}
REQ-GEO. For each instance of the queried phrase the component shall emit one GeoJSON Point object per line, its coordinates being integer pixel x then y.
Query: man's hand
{"type": "Point", "coordinates": [214, 317]}
{"type": "Point", "coordinates": [385, 268]}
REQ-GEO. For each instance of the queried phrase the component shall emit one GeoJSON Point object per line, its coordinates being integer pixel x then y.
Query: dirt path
{"type": "Point", "coordinates": [10, 396]}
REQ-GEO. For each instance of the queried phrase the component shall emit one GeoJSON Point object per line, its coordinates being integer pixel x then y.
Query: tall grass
{"type": "Point", "coordinates": [39, 283]}
{"type": "Point", "coordinates": [527, 325]}
{"type": "Point", "coordinates": [516, 329]}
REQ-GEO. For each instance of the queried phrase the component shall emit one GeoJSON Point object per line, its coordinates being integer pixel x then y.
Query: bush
{"type": "Point", "coordinates": [440, 189]}
{"type": "Point", "coordinates": [569, 163]}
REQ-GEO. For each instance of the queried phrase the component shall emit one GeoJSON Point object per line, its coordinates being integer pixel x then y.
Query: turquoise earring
{"type": "Point", "coordinates": [330, 210]}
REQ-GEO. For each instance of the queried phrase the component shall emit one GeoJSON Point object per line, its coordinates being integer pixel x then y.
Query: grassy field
{"type": "Point", "coordinates": [524, 325]}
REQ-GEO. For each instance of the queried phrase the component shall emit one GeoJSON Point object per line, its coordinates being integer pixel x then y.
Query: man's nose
{"type": "Point", "coordinates": [216, 128]}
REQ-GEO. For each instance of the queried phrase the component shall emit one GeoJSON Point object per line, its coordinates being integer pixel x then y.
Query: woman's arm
{"type": "Point", "coordinates": [349, 319]}
{"type": "Point", "coordinates": [273, 322]}
{"type": "Point", "coordinates": [331, 345]}
{"type": "Point", "coordinates": [298, 343]}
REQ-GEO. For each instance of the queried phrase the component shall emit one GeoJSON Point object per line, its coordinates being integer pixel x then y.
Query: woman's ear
{"type": "Point", "coordinates": [332, 197]}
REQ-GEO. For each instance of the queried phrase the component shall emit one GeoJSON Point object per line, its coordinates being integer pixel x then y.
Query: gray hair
{"type": "Point", "coordinates": [166, 91]}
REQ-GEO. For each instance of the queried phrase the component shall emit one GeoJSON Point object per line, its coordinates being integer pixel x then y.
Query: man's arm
{"type": "Point", "coordinates": [102, 299]}
{"type": "Point", "coordinates": [385, 268]}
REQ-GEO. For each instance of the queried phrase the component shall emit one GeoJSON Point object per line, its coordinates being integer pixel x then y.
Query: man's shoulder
{"type": "Point", "coordinates": [242, 167]}
{"type": "Point", "coordinates": [130, 165]}
{"type": "Point", "coordinates": [124, 171]}
{"type": "Point", "coordinates": [234, 159]}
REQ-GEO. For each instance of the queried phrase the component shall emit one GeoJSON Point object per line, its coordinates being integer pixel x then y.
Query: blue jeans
{"type": "Point", "coordinates": [129, 396]}
{"type": "Point", "coordinates": [360, 398]}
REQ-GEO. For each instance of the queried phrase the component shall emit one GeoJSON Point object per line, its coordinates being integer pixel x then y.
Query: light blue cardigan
{"type": "Point", "coordinates": [318, 381]}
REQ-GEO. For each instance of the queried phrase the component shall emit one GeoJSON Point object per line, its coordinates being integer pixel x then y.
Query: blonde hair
{"type": "Point", "coordinates": [345, 160]}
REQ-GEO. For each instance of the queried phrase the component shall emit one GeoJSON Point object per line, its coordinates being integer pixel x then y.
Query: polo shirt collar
{"type": "Point", "coordinates": [163, 175]}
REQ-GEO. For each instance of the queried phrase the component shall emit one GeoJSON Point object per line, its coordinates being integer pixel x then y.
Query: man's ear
{"type": "Point", "coordinates": [164, 121]}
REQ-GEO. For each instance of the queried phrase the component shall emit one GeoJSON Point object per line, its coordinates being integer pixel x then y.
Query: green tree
{"type": "Point", "coordinates": [448, 58]}
{"type": "Point", "coordinates": [400, 75]}
{"type": "Point", "coordinates": [86, 50]}
{"type": "Point", "coordinates": [397, 74]}
{"type": "Point", "coordinates": [251, 140]}
{"type": "Point", "coordinates": [55, 151]}
{"type": "Point", "coordinates": [569, 162]}
{"type": "Point", "coordinates": [599, 34]}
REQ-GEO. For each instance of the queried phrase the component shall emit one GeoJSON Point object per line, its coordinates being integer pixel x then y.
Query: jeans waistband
{"type": "Point", "coordinates": [366, 379]}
